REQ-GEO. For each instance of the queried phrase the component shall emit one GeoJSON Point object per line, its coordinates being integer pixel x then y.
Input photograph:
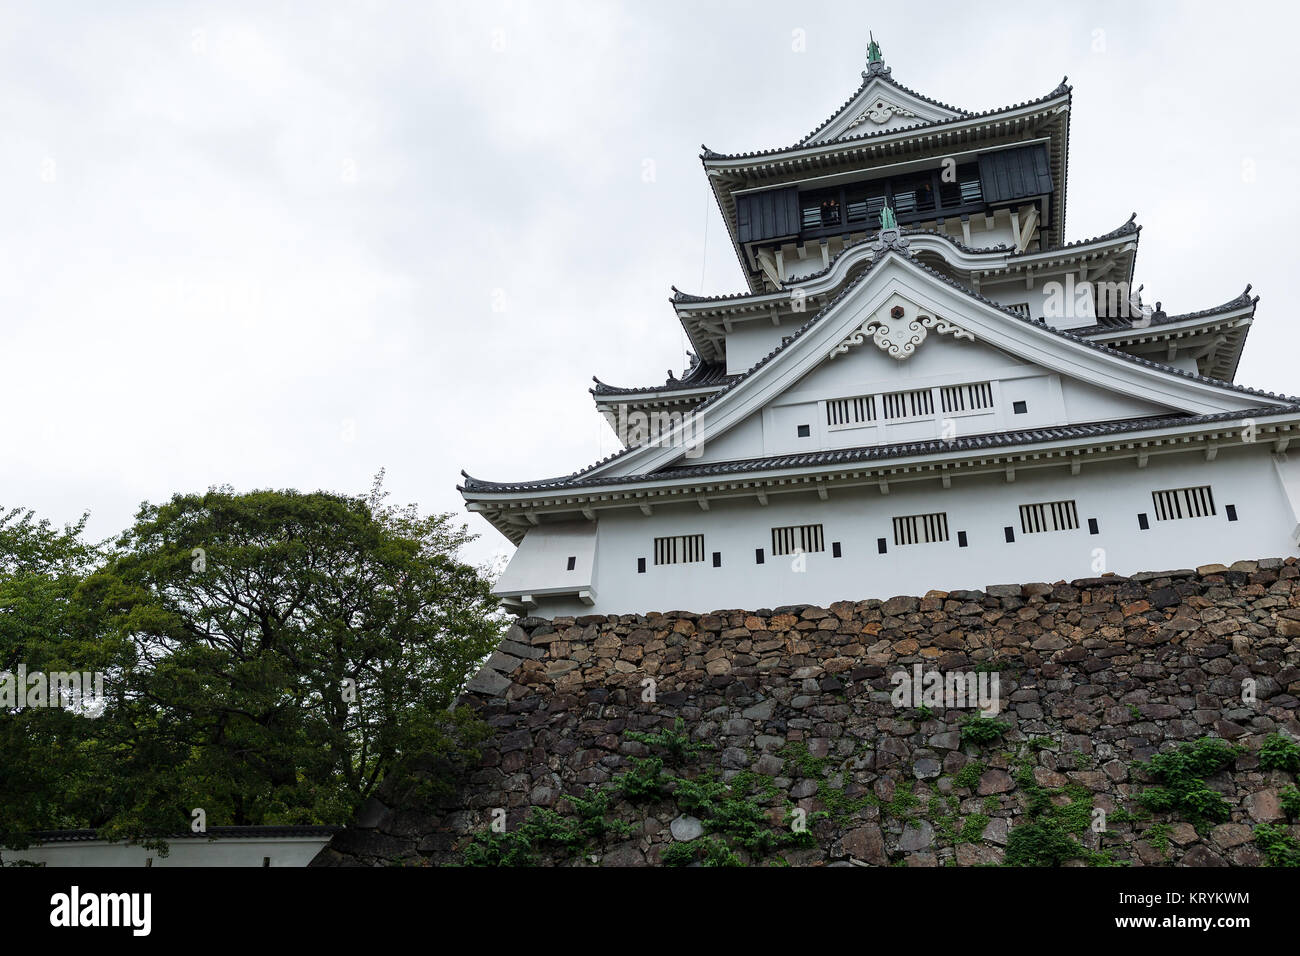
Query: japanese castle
{"type": "Point", "coordinates": [922, 386]}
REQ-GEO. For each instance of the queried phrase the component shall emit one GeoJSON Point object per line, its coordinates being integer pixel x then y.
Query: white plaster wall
{"type": "Point", "coordinates": [541, 562]}
{"type": "Point", "coordinates": [1114, 494]}
{"type": "Point", "coordinates": [748, 343]}
{"type": "Point", "coordinates": [940, 361]}
{"type": "Point", "coordinates": [285, 851]}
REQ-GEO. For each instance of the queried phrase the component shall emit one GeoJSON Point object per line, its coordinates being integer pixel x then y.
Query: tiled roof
{"type": "Point", "coordinates": [702, 375]}
{"type": "Point", "coordinates": [228, 833]}
{"type": "Point", "coordinates": [1120, 324]}
{"type": "Point", "coordinates": [1061, 90]}
{"type": "Point", "coordinates": [869, 453]}
{"type": "Point", "coordinates": [579, 478]}
{"type": "Point", "coordinates": [882, 73]}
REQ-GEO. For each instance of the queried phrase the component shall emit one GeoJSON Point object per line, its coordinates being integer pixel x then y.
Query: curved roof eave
{"type": "Point", "coordinates": [687, 300]}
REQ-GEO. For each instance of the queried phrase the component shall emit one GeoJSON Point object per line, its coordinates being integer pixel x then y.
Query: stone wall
{"type": "Point", "coordinates": [1095, 677]}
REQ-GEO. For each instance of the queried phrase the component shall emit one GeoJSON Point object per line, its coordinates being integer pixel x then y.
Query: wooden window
{"type": "Point", "coordinates": [863, 203]}
{"type": "Point", "coordinates": [914, 194]}
{"type": "Point", "coordinates": [803, 537]}
{"type": "Point", "coordinates": [1178, 503]}
{"type": "Point", "coordinates": [679, 549]}
{"type": "Point", "coordinates": [921, 529]}
{"type": "Point", "coordinates": [965, 190]}
{"type": "Point", "coordinates": [1049, 516]}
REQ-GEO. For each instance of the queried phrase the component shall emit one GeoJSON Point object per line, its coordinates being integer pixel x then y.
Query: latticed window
{"type": "Point", "coordinates": [679, 549]}
{"type": "Point", "coordinates": [801, 537]}
{"type": "Point", "coordinates": [966, 398]}
{"type": "Point", "coordinates": [851, 411]}
{"type": "Point", "coordinates": [1177, 503]}
{"type": "Point", "coordinates": [1049, 516]}
{"type": "Point", "coordinates": [921, 529]}
{"type": "Point", "coordinates": [912, 404]}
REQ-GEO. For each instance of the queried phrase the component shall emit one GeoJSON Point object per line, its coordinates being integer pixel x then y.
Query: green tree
{"type": "Point", "coordinates": [280, 652]}
{"type": "Point", "coordinates": [44, 751]}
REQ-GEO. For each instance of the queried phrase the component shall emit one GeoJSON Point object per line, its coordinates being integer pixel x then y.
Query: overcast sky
{"type": "Point", "coordinates": [289, 244]}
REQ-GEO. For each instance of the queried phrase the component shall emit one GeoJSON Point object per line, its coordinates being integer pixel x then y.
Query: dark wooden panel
{"type": "Point", "coordinates": [770, 214]}
{"type": "Point", "coordinates": [1017, 173]}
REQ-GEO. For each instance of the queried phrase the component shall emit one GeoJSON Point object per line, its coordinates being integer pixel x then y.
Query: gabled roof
{"type": "Point", "coordinates": [893, 248]}
{"type": "Point", "coordinates": [708, 155]}
{"type": "Point", "coordinates": [877, 75]}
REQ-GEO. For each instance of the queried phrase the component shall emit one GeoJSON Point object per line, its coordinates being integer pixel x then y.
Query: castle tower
{"type": "Point", "coordinates": [922, 386]}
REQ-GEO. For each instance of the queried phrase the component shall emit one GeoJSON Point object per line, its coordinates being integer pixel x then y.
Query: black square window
{"type": "Point", "coordinates": [1020, 407]}
{"type": "Point", "coordinates": [717, 559]}
{"type": "Point", "coordinates": [835, 546]}
{"type": "Point", "coordinates": [1232, 512]}
{"type": "Point", "coordinates": [961, 539]}
{"type": "Point", "coordinates": [881, 546]}
{"type": "Point", "coordinates": [758, 555]}
{"type": "Point", "coordinates": [1142, 521]}
{"type": "Point", "coordinates": [1010, 532]}
{"type": "Point", "coordinates": [1092, 526]}
{"type": "Point", "coordinates": [640, 565]}
{"type": "Point", "coordinates": [573, 563]}
{"type": "Point", "coordinates": [805, 431]}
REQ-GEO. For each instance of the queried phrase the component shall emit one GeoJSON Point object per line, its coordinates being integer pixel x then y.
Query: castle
{"type": "Point", "coordinates": [922, 385]}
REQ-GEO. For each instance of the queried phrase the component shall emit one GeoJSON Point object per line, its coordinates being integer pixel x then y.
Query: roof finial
{"type": "Point", "coordinates": [873, 50]}
{"type": "Point", "coordinates": [875, 62]}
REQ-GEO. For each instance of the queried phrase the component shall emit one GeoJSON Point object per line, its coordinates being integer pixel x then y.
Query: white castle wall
{"type": "Point", "coordinates": [1114, 494]}
{"type": "Point", "coordinates": [1049, 399]}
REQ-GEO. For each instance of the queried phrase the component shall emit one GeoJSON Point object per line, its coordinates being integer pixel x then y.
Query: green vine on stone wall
{"type": "Point", "coordinates": [1182, 791]}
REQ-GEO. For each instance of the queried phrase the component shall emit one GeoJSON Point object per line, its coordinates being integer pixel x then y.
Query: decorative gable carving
{"type": "Point", "coordinates": [898, 328]}
{"type": "Point", "coordinates": [881, 111]}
